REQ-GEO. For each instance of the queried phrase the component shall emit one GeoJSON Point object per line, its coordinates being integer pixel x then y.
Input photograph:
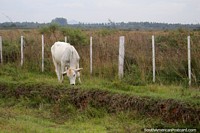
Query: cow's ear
{"type": "Point", "coordinates": [64, 73]}
{"type": "Point", "coordinates": [78, 69]}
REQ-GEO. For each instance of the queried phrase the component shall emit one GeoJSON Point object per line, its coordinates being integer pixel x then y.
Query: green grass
{"type": "Point", "coordinates": [151, 90]}
{"type": "Point", "coordinates": [13, 76]}
{"type": "Point", "coordinates": [15, 117]}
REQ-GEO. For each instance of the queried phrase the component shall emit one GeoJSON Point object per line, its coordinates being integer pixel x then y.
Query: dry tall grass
{"type": "Point", "coordinates": [171, 53]}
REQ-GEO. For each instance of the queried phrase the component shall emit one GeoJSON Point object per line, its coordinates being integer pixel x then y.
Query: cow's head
{"type": "Point", "coordinates": [72, 74]}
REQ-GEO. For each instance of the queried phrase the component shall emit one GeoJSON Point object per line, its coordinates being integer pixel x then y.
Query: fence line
{"type": "Point", "coordinates": [189, 61]}
{"type": "Point", "coordinates": [65, 39]}
{"type": "Point", "coordinates": [1, 51]}
{"type": "Point", "coordinates": [153, 59]}
{"type": "Point", "coordinates": [91, 55]}
{"type": "Point", "coordinates": [121, 56]}
{"type": "Point", "coordinates": [42, 53]}
{"type": "Point", "coordinates": [22, 50]}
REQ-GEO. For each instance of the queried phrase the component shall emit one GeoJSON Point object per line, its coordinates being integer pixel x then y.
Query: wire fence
{"type": "Point", "coordinates": [171, 55]}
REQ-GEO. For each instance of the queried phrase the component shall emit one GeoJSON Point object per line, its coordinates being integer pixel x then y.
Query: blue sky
{"type": "Point", "coordinates": [88, 11]}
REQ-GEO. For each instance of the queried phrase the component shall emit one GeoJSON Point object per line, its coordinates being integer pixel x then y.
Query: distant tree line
{"type": "Point", "coordinates": [138, 26]}
{"type": "Point", "coordinates": [110, 24]}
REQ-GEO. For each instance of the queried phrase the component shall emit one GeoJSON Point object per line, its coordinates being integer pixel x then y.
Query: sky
{"type": "Point", "coordinates": [101, 11]}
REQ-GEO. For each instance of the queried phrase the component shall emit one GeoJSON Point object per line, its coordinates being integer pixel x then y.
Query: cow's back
{"type": "Point", "coordinates": [59, 49]}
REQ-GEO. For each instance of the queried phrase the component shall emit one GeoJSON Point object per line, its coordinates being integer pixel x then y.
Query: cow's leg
{"type": "Point", "coordinates": [62, 70]}
{"type": "Point", "coordinates": [59, 72]}
{"type": "Point", "coordinates": [57, 69]}
{"type": "Point", "coordinates": [78, 73]}
{"type": "Point", "coordinates": [78, 76]}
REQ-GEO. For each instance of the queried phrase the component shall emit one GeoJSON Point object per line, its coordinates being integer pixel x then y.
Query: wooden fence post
{"type": "Point", "coordinates": [153, 59]}
{"type": "Point", "coordinates": [91, 55]}
{"type": "Point", "coordinates": [121, 56]}
{"type": "Point", "coordinates": [42, 53]}
{"type": "Point", "coordinates": [189, 61]}
{"type": "Point", "coordinates": [22, 50]}
{"type": "Point", "coordinates": [65, 39]}
{"type": "Point", "coordinates": [1, 51]}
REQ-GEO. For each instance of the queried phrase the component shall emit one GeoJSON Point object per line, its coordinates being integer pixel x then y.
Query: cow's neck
{"type": "Point", "coordinates": [74, 59]}
{"type": "Point", "coordinates": [73, 63]}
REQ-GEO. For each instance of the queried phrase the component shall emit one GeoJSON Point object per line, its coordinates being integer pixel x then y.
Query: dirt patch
{"type": "Point", "coordinates": [170, 110]}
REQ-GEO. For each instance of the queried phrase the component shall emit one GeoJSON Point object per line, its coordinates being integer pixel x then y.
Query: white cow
{"type": "Point", "coordinates": [66, 61]}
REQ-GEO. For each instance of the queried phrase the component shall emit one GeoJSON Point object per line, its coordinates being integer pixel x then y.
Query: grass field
{"type": "Point", "coordinates": [31, 101]}
{"type": "Point", "coordinates": [21, 114]}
